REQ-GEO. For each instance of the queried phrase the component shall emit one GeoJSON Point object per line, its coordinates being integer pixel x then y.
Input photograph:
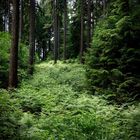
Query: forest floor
{"type": "Point", "coordinates": [55, 105]}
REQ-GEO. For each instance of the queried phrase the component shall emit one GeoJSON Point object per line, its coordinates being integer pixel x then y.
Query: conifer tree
{"type": "Point", "coordinates": [82, 31]}
{"type": "Point", "coordinates": [31, 36]}
{"type": "Point", "coordinates": [65, 28]}
{"type": "Point", "coordinates": [13, 76]}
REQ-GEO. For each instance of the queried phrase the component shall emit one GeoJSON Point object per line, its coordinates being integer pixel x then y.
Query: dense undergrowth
{"type": "Point", "coordinates": [114, 57]}
{"type": "Point", "coordinates": [54, 105]}
{"type": "Point", "coordinates": [5, 42]}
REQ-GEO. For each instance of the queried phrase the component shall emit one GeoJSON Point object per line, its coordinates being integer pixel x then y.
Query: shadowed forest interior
{"type": "Point", "coordinates": [69, 70]}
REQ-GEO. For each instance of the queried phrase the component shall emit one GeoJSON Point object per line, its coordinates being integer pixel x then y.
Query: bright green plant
{"type": "Point", "coordinates": [9, 117]}
{"type": "Point", "coordinates": [56, 106]}
{"type": "Point", "coordinates": [5, 43]}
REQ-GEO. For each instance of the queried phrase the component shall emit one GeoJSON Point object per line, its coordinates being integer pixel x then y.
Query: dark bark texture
{"type": "Point", "coordinates": [89, 24]}
{"type": "Point", "coordinates": [82, 33]}
{"type": "Point", "coordinates": [65, 28]}
{"type": "Point", "coordinates": [13, 78]}
{"type": "Point", "coordinates": [55, 31]}
{"type": "Point", "coordinates": [31, 36]}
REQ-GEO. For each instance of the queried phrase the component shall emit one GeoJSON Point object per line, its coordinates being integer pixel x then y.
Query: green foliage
{"type": "Point", "coordinates": [55, 105]}
{"type": "Point", "coordinates": [113, 60]}
{"type": "Point", "coordinates": [4, 57]}
{"type": "Point", "coordinates": [5, 43]}
{"type": "Point", "coordinates": [9, 116]}
{"type": "Point", "coordinates": [132, 122]}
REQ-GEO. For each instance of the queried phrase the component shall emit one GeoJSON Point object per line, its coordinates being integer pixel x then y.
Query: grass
{"type": "Point", "coordinates": [54, 105]}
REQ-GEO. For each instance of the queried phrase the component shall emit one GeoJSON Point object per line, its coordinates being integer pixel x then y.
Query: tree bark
{"type": "Point", "coordinates": [43, 53]}
{"type": "Point", "coordinates": [13, 78]}
{"type": "Point", "coordinates": [21, 20]}
{"type": "Point", "coordinates": [82, 33]}
{"type": "Point", "coordinates": [9, 16]}
{"type": "Point", "coordinates": [55, 31]}
{"type": "Point", "coordinates": [89, 23]}
{"type": "Point", "coordinates": [31, 36]}
{"type": "Point", "coordinates": [65, 28]}
{"type": "Point", "coordinates": [1, 23]}
{"type": "Point", "coordinates": [58, 34]}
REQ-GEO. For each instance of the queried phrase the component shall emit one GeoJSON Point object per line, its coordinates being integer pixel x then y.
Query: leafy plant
{"type": "Point", "coordinates": [9, 117]}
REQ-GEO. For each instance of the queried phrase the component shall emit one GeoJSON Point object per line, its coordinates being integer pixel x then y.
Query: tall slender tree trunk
{"type": "Point", "coordinates": [58, 34]}
{"type": "Point", "coordinates": [82, 33]}
{"type": "Point", "coordinates": [55, 31]}
{"type": "Point", "coordinates": [92, 17]}
{"type": "Point", "coordinates": [21, 20]}
{"type": "Point", "coordinates": [4, 16]}
{"type": "Point", "coordinates": [44, 53]}
{"type": "Point", "coordinates": [9, 16]}
{"type": "Point", "coordinates": [49, 44]}
{"type": "Point", "coordinates": [49, 39]}
{"type": "Point", "coordinates": [13, 78]}
{"type": "Point", "coordinates": [65, 28]}
{"type": "Point", "coordinates": [32, 36]}
{"type": "Point", "coordinates": [1, 23]}
{"type": "Point", "coordinates": [89, 23]}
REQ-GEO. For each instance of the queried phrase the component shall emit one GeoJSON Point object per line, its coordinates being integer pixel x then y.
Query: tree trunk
{"type": "Point", "coordinates": [13, 78]}
{"type": "Point", "coordinates": [9, 16]}
{"type": "Point", "coordinates": [49, 40]}
{"type": "Point", "coordinates": [65, 28]}
{"type": "Point", "coordinates": [49, 44]}
{"type": "Point", "coordinates": [82, 33]}
{"type": "Point", "coordinates": [55, 31]}
{"type": "Point", "coordinates": [89, 24]}
{"type": "Point", "coordinates": [31, 36]}
{"type": "Point", "coordinates": [21, 20]}
{"type": "Point", "coordinates": [58, 34]}
{"type": "Point", "coordinates": [1, 23]}
{"type": "Point", "coordinates": [93, 13]}
{"type": "Point", "coordinates": [43, 53]}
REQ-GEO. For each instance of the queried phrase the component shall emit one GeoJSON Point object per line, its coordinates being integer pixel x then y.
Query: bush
{"type": "Point", "coordinates": [5, 43]}
{"type": "Point", "coordinates": [9, 117]}
{"type": "Point", "coordinates": [4, 58]}
{"type": "Point", "coordinates": [56, 106]}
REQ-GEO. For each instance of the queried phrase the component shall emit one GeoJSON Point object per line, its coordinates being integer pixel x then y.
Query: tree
{"type": "Point", "coordinates": [89, 23]}
{"type": "Point", "coordinates": [82, 32]}
{"type": "Point", "coordinates": [56, 31]}
{"type": "Point", "coordinates": [13, 78]}
{"type": "Point", "coordinates": [31, 36]}
{"type": "Point", "coordinates": [65, 28]}
{"type": "Point", "coordinates": [21, 20]}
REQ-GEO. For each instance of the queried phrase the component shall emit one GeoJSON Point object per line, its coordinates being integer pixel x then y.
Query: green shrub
{"type": "Point", "coordinates": [9, 117]}
{"type": "Point", "coordinates": [5, 43]}
{"type": "Point", "coordinates": [4, 58]}
{"type": "Point", "coordinates": [54, 108]}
